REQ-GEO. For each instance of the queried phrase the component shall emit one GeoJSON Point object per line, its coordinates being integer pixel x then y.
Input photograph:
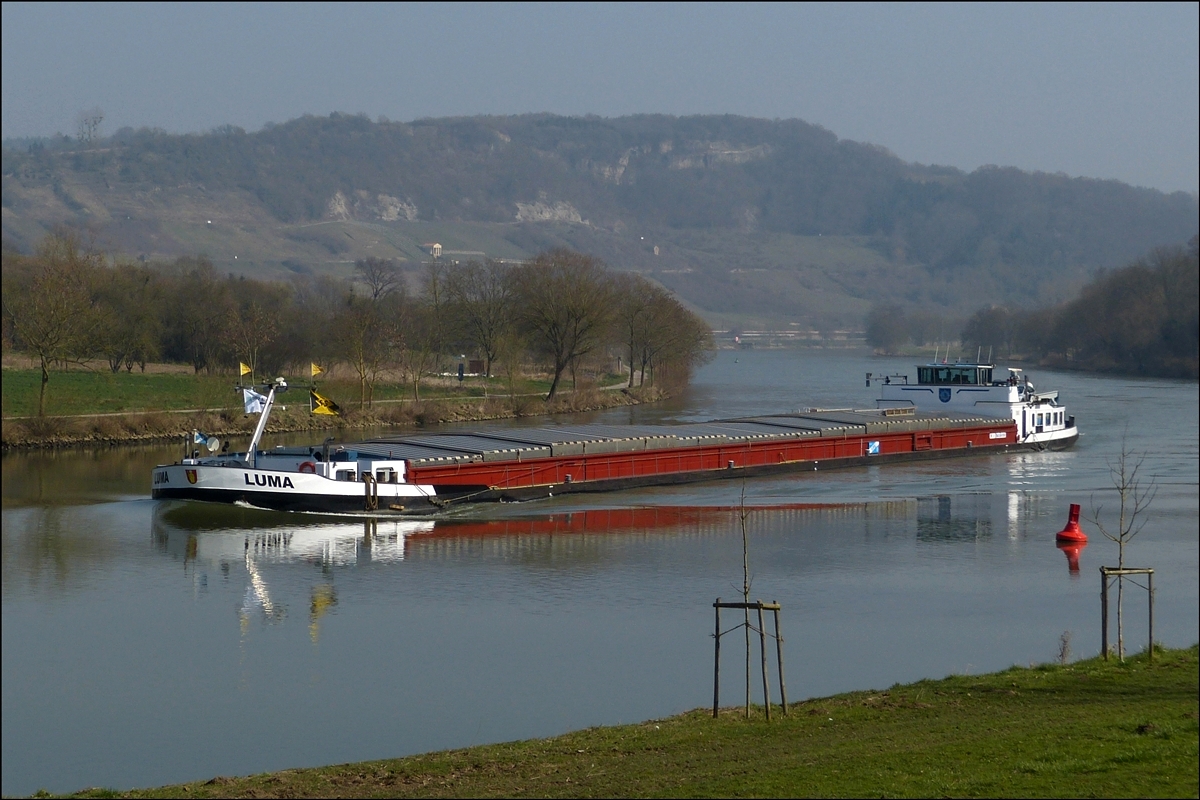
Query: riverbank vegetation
{"type": "Point", "coordinates": [444, 404]}
{"type": "Point", "coordinates": [392, 330]}
{"type": "Point", "coordinates": [1091, 728]}
{"type": "Point", "coordinates": [1141, 319]}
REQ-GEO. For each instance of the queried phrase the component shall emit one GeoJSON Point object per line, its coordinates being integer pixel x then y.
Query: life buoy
{"type": "Point", "coordinates": [309, 467]}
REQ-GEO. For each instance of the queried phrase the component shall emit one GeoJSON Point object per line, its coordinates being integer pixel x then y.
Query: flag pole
{"type": "Point", "coordinates": [252, 452]}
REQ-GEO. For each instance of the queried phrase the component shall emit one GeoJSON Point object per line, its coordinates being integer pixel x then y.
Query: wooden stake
{"type": "Point", "coordinates": [717, 660]}
{"type": "Point", "coordinates": [1104, 613]}
{"type": "Point", "coordinates": [1150, 591]}
{"type": "Point", "coordinates": [779, 655]}
{"type": "Point", "coordinates": [1106, 576]}
{"type": "Point", "coordinates": [762, 649]}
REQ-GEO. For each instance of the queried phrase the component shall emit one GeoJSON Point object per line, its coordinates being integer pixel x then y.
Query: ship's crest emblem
{"type": "Point", "coordinates": [944, 395]}
{"type": "Point", "coordinates": [191, 475]}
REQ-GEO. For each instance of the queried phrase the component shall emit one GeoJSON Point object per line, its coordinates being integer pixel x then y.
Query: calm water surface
{"type": "Point", "coordinates": [150, 643]}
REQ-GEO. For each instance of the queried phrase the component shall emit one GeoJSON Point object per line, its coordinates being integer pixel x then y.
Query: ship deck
{"type": "Point", "coordinates": [555, 441]}
{"type": "Point", "coordinates": [520, 463]}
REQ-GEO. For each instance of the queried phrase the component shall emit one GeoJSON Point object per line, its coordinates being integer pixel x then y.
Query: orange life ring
{"type": "Point", "coordinates": [309, 467]}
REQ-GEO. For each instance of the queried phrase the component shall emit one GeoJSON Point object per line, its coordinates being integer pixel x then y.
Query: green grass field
{"type": "Point", "coordinates": [1090, 729]}
{"type": "Point", "coordinates": [94, 392]}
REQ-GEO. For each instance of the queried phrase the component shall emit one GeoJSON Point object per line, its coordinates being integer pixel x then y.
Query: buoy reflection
{"type": "Point", "coordinates": [1072, 551]}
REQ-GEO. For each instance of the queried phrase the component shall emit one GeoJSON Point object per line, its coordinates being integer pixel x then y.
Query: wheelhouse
{"type": "Point", "coordinates": [955, 375]}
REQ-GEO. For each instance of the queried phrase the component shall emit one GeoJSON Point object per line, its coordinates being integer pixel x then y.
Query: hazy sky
{"type": "Point", "coordinates": [1109, 91]}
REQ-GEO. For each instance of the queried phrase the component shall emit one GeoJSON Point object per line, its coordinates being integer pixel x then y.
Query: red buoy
{"type": "Point", "coordinates": [1072, 532]}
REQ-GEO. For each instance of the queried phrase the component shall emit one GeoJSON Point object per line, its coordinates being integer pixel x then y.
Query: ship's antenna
{"type": "Point", "coordinates": [978, 353]}
{"type": "Point", "coordinates": [936, 347]}
{"type": "Point", "coordinates": [989, 353]}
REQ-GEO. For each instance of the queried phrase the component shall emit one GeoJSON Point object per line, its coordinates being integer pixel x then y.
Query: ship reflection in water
{"type": "Point", "coordinates": [967, 520]}
{"type": "Point", "coordinates": [228, 539]}
{"type": "Point", "coordinates": [207, 538]}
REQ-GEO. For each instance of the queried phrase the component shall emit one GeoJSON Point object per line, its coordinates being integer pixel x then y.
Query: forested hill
{"type": "Point", "coordinates": [778, 219]}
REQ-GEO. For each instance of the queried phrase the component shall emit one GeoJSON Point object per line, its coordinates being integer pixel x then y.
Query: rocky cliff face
{"type": "Point", "coordinates": [363, 205]}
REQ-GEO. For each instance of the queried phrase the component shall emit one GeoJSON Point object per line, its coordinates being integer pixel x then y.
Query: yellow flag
{"type": "Point", "coordinates": [318, 404]}
{"type": "Point", "coordinates": [315, 369]}
{"type": "Point", "coordinates": [245, 367]}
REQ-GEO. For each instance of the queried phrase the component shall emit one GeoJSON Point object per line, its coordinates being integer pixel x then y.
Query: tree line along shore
{"type": "Point", "coordinates": [562, 318]}
{"type": "Point", "coordinates": [1141, 319]}
{"type": "Point", "coordinates": [518, 329]}
{"type": "Point", "coordinates": [1087, 728]}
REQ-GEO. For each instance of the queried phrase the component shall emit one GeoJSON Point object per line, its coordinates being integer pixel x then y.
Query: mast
{"type": "Point", "coordinates": [251, 454]}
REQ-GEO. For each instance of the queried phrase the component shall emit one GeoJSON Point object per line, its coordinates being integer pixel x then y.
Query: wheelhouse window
{"type": "Point", "coordinates": [950, 375]}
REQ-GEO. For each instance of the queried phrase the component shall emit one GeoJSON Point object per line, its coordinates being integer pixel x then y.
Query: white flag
{"type": "Point", "coordinates": [255, 402]}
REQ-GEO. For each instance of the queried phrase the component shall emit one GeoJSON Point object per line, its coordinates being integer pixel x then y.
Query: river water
{"type": "Point", "coordinates": [148, 643]}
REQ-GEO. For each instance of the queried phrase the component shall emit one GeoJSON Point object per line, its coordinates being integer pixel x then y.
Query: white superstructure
{"type": "Point", "coordinates": [291, 479]}
{"type": "Point", "coordinates": [971, 388]}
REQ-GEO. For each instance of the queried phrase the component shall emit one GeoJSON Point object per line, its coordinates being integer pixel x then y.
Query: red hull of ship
{"type": "Point", "coordinates": [533, 477]}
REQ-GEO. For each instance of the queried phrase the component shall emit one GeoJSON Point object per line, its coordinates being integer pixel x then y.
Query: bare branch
{"type": "Point", "coordinates": [381, 275]}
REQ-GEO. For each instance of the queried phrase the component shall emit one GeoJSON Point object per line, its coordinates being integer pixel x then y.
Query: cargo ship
{"type": "Point", "coordinates": [949, 410]}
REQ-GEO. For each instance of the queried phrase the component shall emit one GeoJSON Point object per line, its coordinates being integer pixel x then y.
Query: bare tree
{"type": "Point", "coordinates": [199, 310]}
{"type": "Point", "coordinates": [480, 302]}
{"type": "Point", "coordinates": [252, 328]}
{"type": "Point", "coordinates": [130, 328]}
{"type": "Point", "coordinates": [510, 350]}
{"type": "Point", "coordinates": [679, 339]}
{"type": "Point", "coordinates": [87, 124]}
{"type": "Point", "coordinates": [1134, 498]}
{"type": "Point", "coordinates": [433, 316]}
{"type": "Point", "coordinates": [365, 336]}
{"type": "Point", "coordinates": [316, 300]}
{"type": "Point", "coordinates": [418, 353]}
{"type": "Point", "coordinates": [633, 317]}
{"type": "Point", "coordinates": [654, 328]}
{"type": "Point", "coordinates": [382, 276]}
{"type": "Point", "coordinates": [742, 513]}
{"type": "Point", "coordinates": [50, 308]}
{"type": "Point", "coordinates": [564, 302]}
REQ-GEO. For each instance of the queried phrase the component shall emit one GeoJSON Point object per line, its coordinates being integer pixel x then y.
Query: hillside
{"type": "Point", "coordinates": [775, 221]}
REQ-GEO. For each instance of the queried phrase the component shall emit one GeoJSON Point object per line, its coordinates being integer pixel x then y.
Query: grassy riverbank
{"type": "Point", "coordinates": [1088, 729]}
{"type": "Point", "coordinates": [165, 387]}
{"type": "Point", "coordinates": [100, 407]}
